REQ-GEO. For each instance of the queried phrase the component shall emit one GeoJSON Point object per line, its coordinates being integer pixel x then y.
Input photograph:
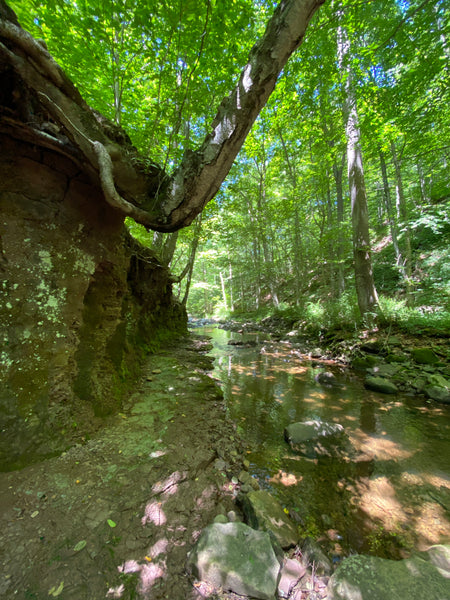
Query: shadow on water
{"type": "Point", "coordinates": [388, 495]}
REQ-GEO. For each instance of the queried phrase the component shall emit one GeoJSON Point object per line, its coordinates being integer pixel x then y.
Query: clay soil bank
{"type": "Point", "coordinates": [115, 516]}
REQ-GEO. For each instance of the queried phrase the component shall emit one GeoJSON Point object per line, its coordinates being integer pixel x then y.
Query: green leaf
{"type": "Point", "coordinates": [79, 546]}
{"type": "Point", "coordinates": [111, 523]}
{"type": "Point", "coordinates": [56, 591]}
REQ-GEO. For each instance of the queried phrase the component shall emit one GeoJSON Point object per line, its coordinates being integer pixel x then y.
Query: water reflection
{"type": "Point", "coordinates": [390, 494]}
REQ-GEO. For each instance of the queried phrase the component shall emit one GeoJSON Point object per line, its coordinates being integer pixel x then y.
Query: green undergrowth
{"type": "Point", "coordinates": [318, 316]}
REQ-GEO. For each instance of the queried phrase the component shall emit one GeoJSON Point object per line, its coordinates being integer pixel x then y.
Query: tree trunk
{"type": "Point", "coordinates": [390, 213]}
{"type": "Point", "coordinates": [338, 176]}
{"type": "Point", "coordinates": [402, 215]}
{"type": "Point", "coordinates": [364, 282]}
{"type": "Point", "coordinates": [191, 260]}
{"type": "Point", "coordinates": [224, 294]}
{"type": "Point", "coordinates": [137, 189]}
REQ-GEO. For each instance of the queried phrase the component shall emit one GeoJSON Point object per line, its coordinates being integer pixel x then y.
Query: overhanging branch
{"type": "Point", "coordinates": [175, 201]}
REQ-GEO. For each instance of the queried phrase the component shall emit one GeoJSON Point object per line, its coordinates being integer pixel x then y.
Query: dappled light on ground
{"type": "Point", "coordinates": [431, 524]}
{"type": "Point", "coordinates": [379, 501]}
{"type": "Point", "coordinates": [154, 514]}
{"type": "Point", "coordinates": [379, 448]}
{"type": "Point", "coordinates": [286, 479]}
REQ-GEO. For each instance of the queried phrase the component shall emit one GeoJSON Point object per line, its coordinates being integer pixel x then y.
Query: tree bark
{"type": "Point", "coordinates": [402, 215]}
{"type": "Point", "coordinates": [131, 184]}
{"type": "Point", "coordinates": [390, 212]}
{"type": "Point", "coordinates": [364, 282]}
{"type": "Point", "coordinates": [338, 176]}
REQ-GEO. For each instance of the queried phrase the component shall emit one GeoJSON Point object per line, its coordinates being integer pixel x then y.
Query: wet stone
{"type": "Point", "coordinates": [381, 385]}
{"type": "Point", "coordinates": [262, 511]}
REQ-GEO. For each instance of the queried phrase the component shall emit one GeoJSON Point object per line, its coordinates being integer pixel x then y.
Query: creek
{"type": "Point", "coordinates": [388, 496]}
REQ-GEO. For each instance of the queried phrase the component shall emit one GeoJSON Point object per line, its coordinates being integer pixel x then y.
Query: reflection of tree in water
{"type": "Point", "coordinates": [367, 419]}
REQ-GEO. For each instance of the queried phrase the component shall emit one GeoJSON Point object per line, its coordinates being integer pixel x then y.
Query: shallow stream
{"type": "Point", "coordinates": [390, 495]}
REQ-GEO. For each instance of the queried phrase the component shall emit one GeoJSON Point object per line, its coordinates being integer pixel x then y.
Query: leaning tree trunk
{"type": "Point", "coordinates": [133, 186]}
{"type": "Point", "coordinates": [365, 285]}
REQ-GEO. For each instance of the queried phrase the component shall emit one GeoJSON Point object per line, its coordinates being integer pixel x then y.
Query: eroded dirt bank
{"type": "Point", "coordinates": [115, 517]}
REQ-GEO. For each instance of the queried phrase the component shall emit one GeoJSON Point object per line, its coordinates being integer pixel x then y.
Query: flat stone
{"type": "Point", "coordinates": [296, 433]}
{"type": "Point", "coordinates": [385, 370]}
{"type": "Point", "coordinates": [236, 558]}
{"type": "Point", "coordinates": [380, 384]}
{"type": "Point", "coordinates": [262, 511]}
{"type": "Point", "coordinates": [423, 575]}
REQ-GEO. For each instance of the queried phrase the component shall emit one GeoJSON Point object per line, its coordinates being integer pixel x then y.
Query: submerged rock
{"type": "Point", "coordinates": [317, 438]}
{"type": "Point", "coordinates": [380, 384]}
{"type": "Point", "coordinates": [326, 378]}
{"type": "Point", "coordinates": [423, 575]}
{"type": "Point", "coordinates": [262, 511]}
{"type": "Point", "coordinates": [236, 558]}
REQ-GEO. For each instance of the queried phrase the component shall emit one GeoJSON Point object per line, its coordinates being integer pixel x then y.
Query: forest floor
{"type": "Point", "coordinates": [116, 516]}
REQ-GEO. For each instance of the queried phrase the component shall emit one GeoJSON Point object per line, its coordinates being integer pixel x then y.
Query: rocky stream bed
{"type": "Point", "coordinates": [117, 515]}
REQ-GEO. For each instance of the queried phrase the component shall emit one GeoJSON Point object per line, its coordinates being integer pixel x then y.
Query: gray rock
{"type": "Point", "coordinates": [380, 384]}
{"type": "Point", "coordinates": [236, 558]}
{"type": "Point", "coordinates": [262, 511]}
{"type": "Point", "coordinates": [317, 438]}
{"type": "Point", "coordinates": [423, 575]}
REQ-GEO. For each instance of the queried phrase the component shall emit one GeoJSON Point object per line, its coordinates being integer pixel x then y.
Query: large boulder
{"type": "Point", "coordinates": [380, 384]}
{"type": "Point", "coordinates": [423, 575]}
{"type": "Point", "coordinates": [262, 511]}
{"type": "Point", "coordinates": [236, 558]}
{"type": "Point", "coordinates": [317, 438]}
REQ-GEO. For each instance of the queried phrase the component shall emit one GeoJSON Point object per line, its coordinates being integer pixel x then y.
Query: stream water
{"type": "Point", "coordinates": [390, 495]}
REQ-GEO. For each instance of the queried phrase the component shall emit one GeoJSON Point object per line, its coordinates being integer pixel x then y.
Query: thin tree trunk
{"type": "Point", "coordinates": [191, 260]}
{"type": "Point", "coordinates": [224, 294]}
{"type": "Point", "coordinates": [364, 282]}
{"type": "Point", "coordinates": [390, 213]}
{"type": "Point", "coordinates": [298, 250]}
{"type": "Point", "coordinates": [168, 249]}
{"type": "Point", "coordinates": [402, 214]}
{"type": "Point", "coordinates": [230, 277]}
{"type": "Point", "coordinates": [338, 176]}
